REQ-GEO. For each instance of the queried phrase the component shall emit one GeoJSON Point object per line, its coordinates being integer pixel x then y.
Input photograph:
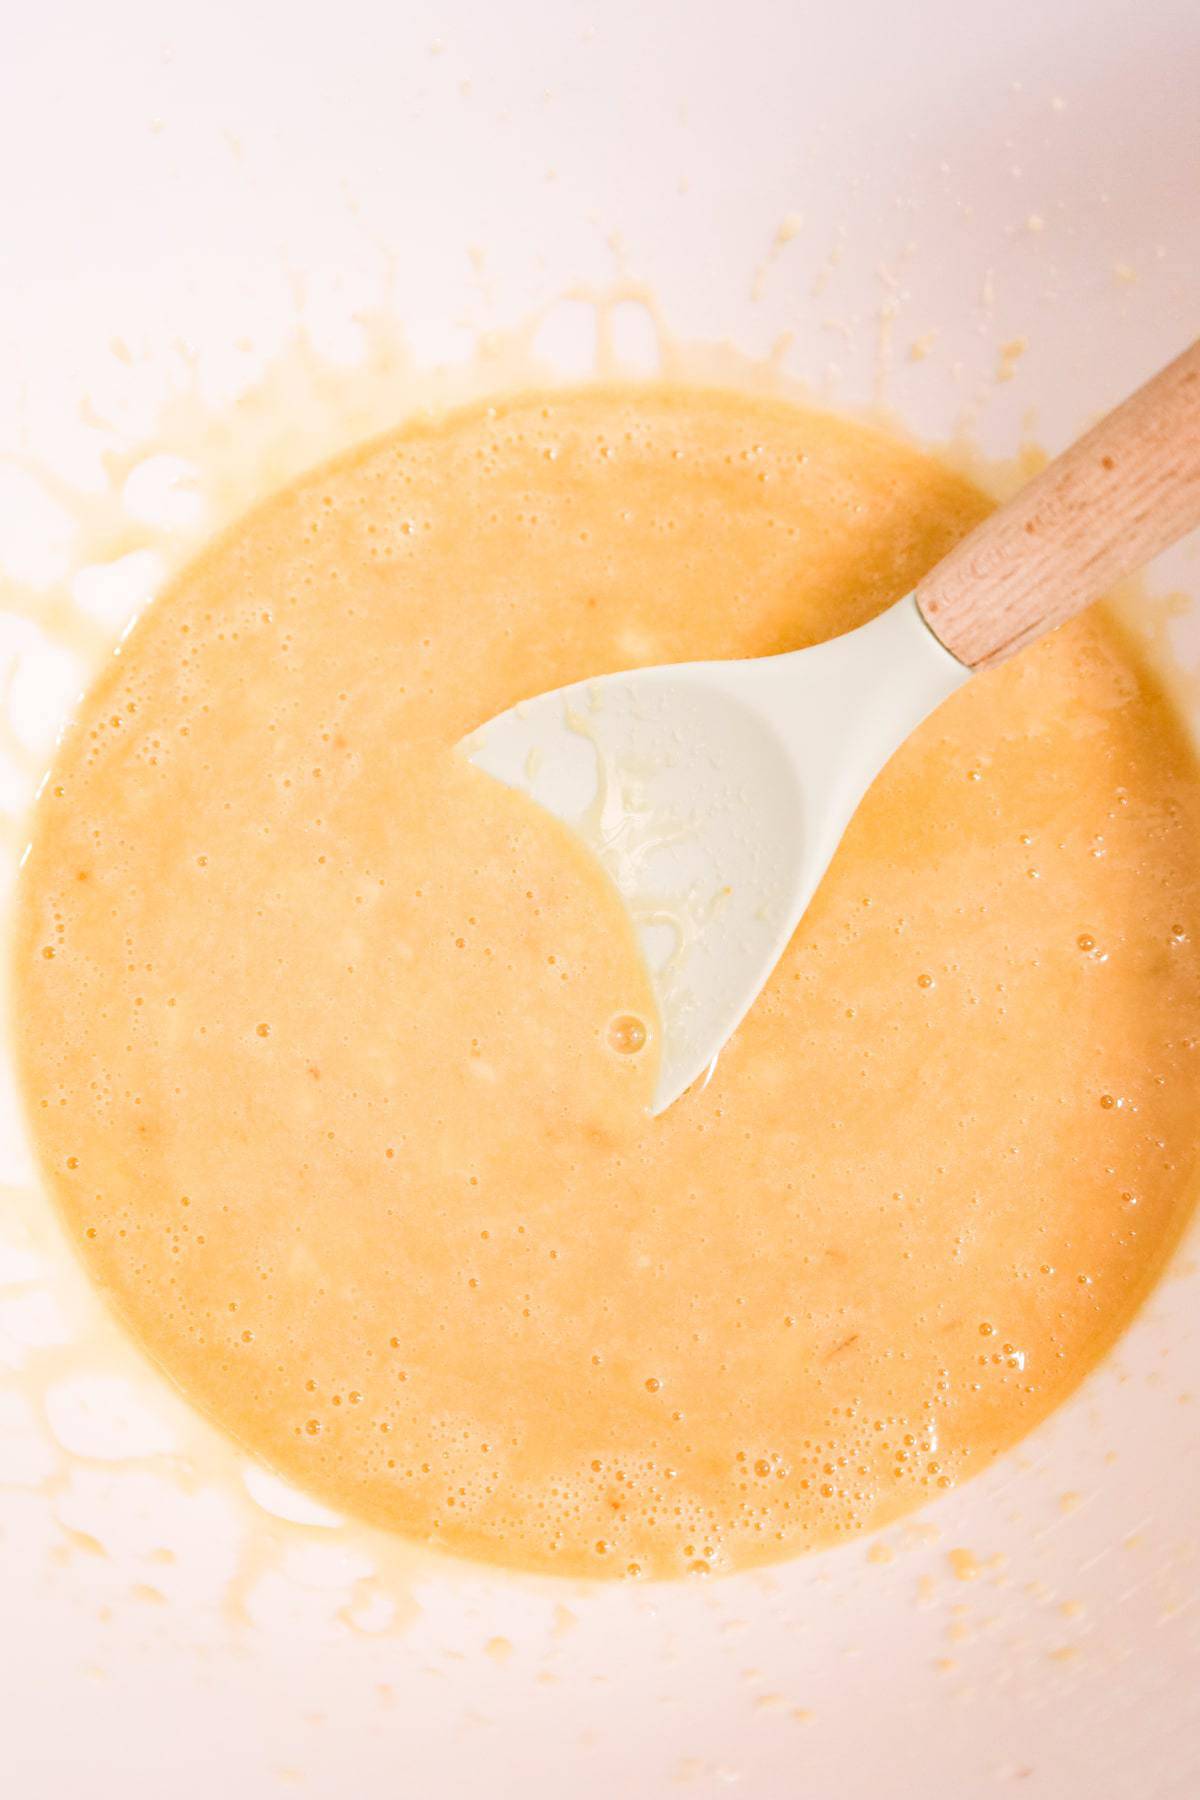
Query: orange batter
{"type": "Point", "coordinates": [333, 1047]}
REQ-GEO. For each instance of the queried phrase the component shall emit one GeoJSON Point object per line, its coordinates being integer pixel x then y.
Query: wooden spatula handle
{"type": "Point", "coordinates": [1125, 491]}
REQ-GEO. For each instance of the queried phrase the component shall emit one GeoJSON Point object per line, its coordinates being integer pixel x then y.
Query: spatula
{"type": "Point", "coordinates": [715, 793]}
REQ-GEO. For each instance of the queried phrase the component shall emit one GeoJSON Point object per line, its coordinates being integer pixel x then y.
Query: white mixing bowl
{"type": "Point", "coordinates": [972, 214]}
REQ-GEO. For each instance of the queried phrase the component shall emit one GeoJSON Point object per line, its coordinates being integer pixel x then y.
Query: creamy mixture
{"type": "Point", "coordinates": [338, 1055]}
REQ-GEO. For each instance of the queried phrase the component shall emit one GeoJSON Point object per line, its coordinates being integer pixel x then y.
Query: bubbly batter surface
{"type": "Point", "coordinates": [338, 1055]}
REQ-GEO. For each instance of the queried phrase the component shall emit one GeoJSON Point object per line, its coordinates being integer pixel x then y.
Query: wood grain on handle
{"type": "Point", "coordinates": [1125, 491]}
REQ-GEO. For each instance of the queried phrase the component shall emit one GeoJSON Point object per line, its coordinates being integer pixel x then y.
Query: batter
{"type": "Point", "coordinates": [338, 1055]}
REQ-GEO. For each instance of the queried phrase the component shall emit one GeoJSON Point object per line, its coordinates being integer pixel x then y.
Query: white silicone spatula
{"type": "Point", "coordinates": [715, 793]}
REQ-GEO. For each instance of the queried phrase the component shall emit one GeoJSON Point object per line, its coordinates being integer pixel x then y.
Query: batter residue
{"type": "Point", "coordinates": [338, 1055]}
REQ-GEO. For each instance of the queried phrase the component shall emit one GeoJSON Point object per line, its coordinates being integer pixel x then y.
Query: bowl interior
{"type": "Point", "coordinates": [983, 223]}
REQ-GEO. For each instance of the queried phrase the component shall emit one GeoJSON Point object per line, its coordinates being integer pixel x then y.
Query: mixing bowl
{"type": "Point", "coordinates": [234, 237]}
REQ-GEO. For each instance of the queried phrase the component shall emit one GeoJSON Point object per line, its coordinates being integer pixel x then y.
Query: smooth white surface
{"type": "Point", "coordinates": [715, 794]}
{"type": "Point", "coordinates": [968, 177]}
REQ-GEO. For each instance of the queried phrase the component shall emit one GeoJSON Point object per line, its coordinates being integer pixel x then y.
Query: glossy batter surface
{"type": "Point", "coordinates": [332, 1047]}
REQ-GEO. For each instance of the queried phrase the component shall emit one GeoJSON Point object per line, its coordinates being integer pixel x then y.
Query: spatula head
{"type": "Point", "coordinates": [715, 794]}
